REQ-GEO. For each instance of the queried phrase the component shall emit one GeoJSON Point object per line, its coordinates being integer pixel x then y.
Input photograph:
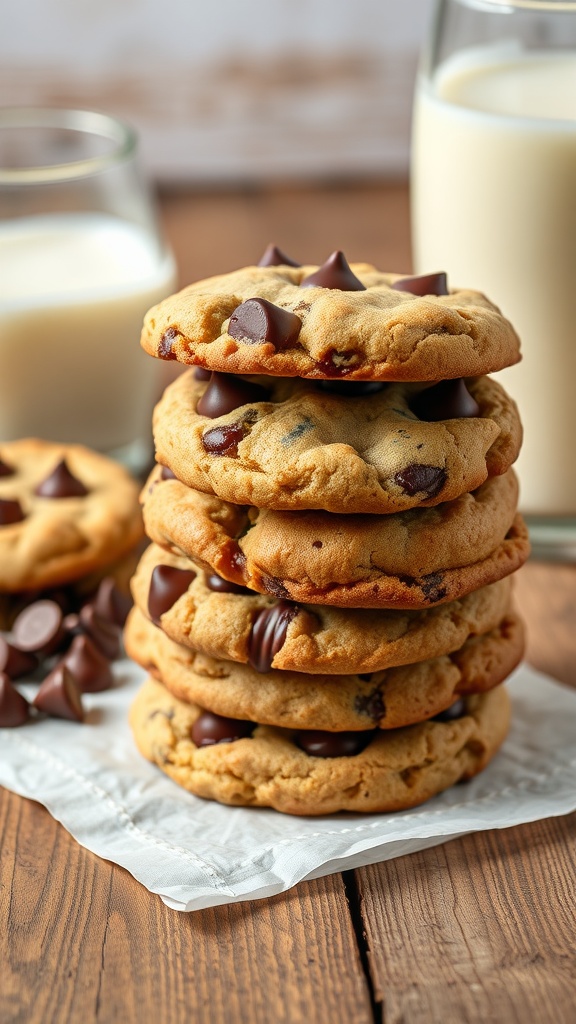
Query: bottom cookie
{"type": "Point", "coordinates": [394, 771]}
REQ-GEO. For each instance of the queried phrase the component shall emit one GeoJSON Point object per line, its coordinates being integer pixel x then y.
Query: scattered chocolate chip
{"type": "Point", "coordinates": [269, 633]}
{"type": "Point", "coordinates": [221, 586]}
{"type": "Point", "coordinates": [351, 388]}
{"type": "Point", "coordinates": [371, 704]}
{"type": "Point", "coordinates": [456, 710]}
{"type": "Point", "coordinates": [332, 744]}
{"type": "Point", "coordinates": [106, 635]}
{"type": "Point", "coordinates": [201, 373]}
{"type": "Point", "coordinates": [274, 257]}
{"type": "Point", "coordinates": [61, 484]}
{"type": "Point", "coordinates": [14, 708]}
{"type": "Point", "coordinates": [89, 667]}
{"type": "Point", "coordinates": [110, 603]}
{"type": "Point", "coordinates": [167, 584]}
{"type": "Point", "coordinates": [424, 284]}
{"type": "Point", "coordinates": [10, 512]}
{"type": "Point", "coordinates": [433, 587]}
{"type": "Point", "coordinates": [334, 273]}
{"type": "Point", "coordinates": [448, 400]}
{"type": "Point", "coordinates": [59, 696]}
{"type": "Point", "coordinates": [418, 478]}
{"type": "Point", "coordinates": [167, 474]}
{"type": "Point", "coordinates": [317, 544]}
{"type": "Point", "coordinates": [226, 392]}
{"type": "Point", "coordinates": [330, 368]}
{"type": "Point", "coordinates": [209, 729]}
{"type": "Point", "coordinates": [274, 585]}
{"type": "Point", "coordinates": [224, 440]}
{"type": "Point", "coordinates": [258, 321]}
{"type": "Point", "coordinates": [5, 469]}
{"type": "Point", "coordinates": [39, 628]}
{"type": "Point", "coordinates": [14, 662]}
{"type": "Point", "coordinates": [165, 347]}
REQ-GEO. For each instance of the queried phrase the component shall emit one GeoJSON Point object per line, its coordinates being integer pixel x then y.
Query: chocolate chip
{"type": "Point", "coordinates": [224, 440]}
{"type": "Point", "coordinates": [274, 257]}
{"type": "Point", "coordinates": [334, 273]}
{"type": "Point", "coordinates": [59, 695]}
{"type": "Point", "coordinates": [167, 584]}
{"type": "Point", "coordinates": [371, 704]}
{"type": "Point", "coordinates": [226, 392]}
{"type": "Point", "coordinates": [5, 469]}
{"type": "Point", "coordinates": [14, 708]}
{"type": "Point", "coordinates": [209, 729]}
{"type": "Point", "coordinates": [433, 587]}
{"type": "Point", "coordinates": [258, 321]}
{"type": "Point", "coordinates": [330, 368]}
{"type": "Point", "coordinates": [167, 474]}
{"type": "Point", "coordinates": [39, 628]}
{"type": "Point", "coordinates": [351, 388]}
{"type": "Point", "coordinates": [165, 347]}
{"type": "Point", "coordinates": [110, 603]}
{"type": "Point", "coordinates": [448, 400]}
{"type": "Point", "coordinates": [317, 544]}
{"type": "Point", "coordinates": [221, 586]}
{"type": "Point", "coordinates": [424, 284]}
{"type": "Point", "coordinates": [106, 635]}
{"type": "Point", "coordinates": [418, 478]}
{"type": "Point", "coordinates": [90, 668]}
{"type": "Point", "coordinates": [61, 484]}
{"type": "Point", "coordinates": [14, 662]}
{"type": "Point", "coordinates": [201, 373]}
{"type": "Point", "coordinates": [332, 744]}
{"type": "Point", "coordinates": [10, 512]}
{"type": "Point", "coordinates": [456, 710]}
{"type": "Point", "coordinates": [269, 633]}
{"type": "Point", "coordinates": [274, 585]}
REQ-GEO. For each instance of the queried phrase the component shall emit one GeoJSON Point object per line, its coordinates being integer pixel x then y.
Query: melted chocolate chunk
{"type": "Point", "coordinates": [59, 696]}
{"type": "Point", "coordinates": [209, 729]}
{"type": "Point", "coordinates": [418, 478]}
{"type": "Point", "coordinates": [258, 321]}
{"type": "Point", "coordinates": [274, 257]}
{"type": "Point", "coordinates": [110, 603]}
{"type": "Point", "coordinates": [351, 388]}
{"type": "Point", "coordinates": [167, 474]}
{"type": "Point", "coordinates": [456, 710]}
{"type": "Point", "coordinates": [201, 373]}
{"type": "Point", "coordinates": [275, 586]}
{"type": "Point", "coordinates": [432, 587]}
{"type": "Point", "coordinates": [5, 469]}
{"type": "Point", "coordinates": [330, 368]}
{"type": "Point", "coordinates": [269, 633]}
{"type": "Point", "coordinates": [165, 347]}
{"type": "Point", "coordinates": [334, 273]}
{"type": "Point", "coordinates": [226, 392]}
{"type": "Point", "coordinates": [14, 662]}
{"type": "Point", "coordinates": [39, 628]}
{"type": "Point", "coordinates": [61, 484]}
{"type": "Point", "coordinates": [89, 667]}
{"type": "Point", "coordinates": [371, 704]}
{"type": "Point", "coordinates": [224, 440]}
{"type": "Point", "coordinates": [14, 708]}
{"type": "Point", "coordinates": [448, 400]}
{"type": "Point", "coordinates": [221, 586]}
{"type": "Point", "coordinates": [10, 512]}
{"type": "Point", "coordinates": [316, 743]}
{"type": "Point", "coordinates": [167, 584]}
{"type": "Point", "coordinates": [424, 284]}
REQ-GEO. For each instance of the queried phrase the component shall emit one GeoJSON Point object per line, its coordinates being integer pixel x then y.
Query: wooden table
{"type": "Point", "coordinates": [480, 929]}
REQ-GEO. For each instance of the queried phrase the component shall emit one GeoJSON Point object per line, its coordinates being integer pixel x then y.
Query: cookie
{"type": "Point", "coordinates": [210, 615]}
{"type": "Point", "coordinates": [395, 770]}
{"type": "Point", "coordinates": [354, 322]}
{"type": "Point", "coordinates": [411, 559]}
{"type": "Point", "coordinates": [366, 447]}
{"type": "Point", "coordinates": [386, 700]}
{"type": "Point", "coordinates": [65, 511]}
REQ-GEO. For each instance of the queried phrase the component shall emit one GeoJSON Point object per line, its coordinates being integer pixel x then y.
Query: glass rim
{"type": "Point", "coordinates": [88, 122]}
{"type": "Point", "coordinates": [527, 5]}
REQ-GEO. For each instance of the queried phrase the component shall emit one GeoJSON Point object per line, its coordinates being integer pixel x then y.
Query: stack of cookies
{"type": "Point", "coordinates": [325, 608]}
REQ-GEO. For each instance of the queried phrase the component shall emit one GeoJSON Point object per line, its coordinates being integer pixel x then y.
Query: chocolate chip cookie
{"type": "Point", "coordinates": [65, 511]}
{"type": "Point", "coordinates": [337, 445]}
{"type": "Point", "coordinates": [411, 559]}
{"type": "Point", "coordinates": [316, 772]}
{"type": "Point", "coordinates": [335, 321]}
{"type": "Point", "coordinates": [388, 699]}
{"type": "Point", "coordinates": [224, 620]}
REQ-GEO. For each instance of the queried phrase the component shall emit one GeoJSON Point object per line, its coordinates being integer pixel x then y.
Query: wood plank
{"type": "Point", "coordinates": [81, 940]}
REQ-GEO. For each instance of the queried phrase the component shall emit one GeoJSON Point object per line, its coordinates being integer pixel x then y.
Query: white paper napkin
{"type": "Point", "coordinates": [195, 853]}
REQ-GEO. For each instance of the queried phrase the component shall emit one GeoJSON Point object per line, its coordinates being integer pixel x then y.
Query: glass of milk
{"type": "Point", "coordinates": [81, 260]}
{"type": "Point", "coordinates": [493, 192]}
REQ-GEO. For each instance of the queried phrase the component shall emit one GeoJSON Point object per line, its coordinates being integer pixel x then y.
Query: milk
{"type": "Point", "coordinates": [73, 291]}
{"type": "Point", "coordinates": [494, 204]}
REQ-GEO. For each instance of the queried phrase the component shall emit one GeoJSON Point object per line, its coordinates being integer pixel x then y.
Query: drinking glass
{"type": "Point", "coordinates": [493, 191]}
{"type": "Point", "coordinates": [81, 260]}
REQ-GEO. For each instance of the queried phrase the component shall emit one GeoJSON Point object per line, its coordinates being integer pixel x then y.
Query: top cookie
{"type": "Point", "coordinates": [334, 321]}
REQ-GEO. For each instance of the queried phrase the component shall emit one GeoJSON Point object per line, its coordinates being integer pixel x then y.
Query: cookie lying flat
{"type": "Point", "coordinates": [410, 559]}
{"type": "Point", "coordinates": [286, 328]}
{"type": "Point", "coordinates": [193, 610]}
{"type": "Point", "coordinates": [395, 770]}
{"type": "Point", "coordinates": [386, 700]}
{"type": "Point", "coordinates": [65, 511]}
{"type": "Point", "coordinates": [290, 444]}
